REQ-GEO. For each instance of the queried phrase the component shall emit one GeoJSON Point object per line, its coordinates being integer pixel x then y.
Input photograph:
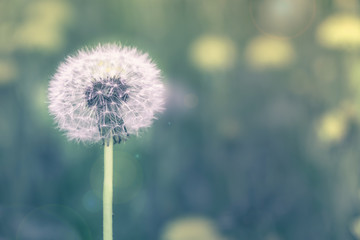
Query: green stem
{"type": "Point", "coordinates": [108, 189]}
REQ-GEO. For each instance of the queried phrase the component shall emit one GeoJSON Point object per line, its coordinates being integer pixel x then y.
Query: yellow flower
{"type": "Point", "coordinates": [340, 31]}
{"type": "Point", "coordinates": [355, 227]}
{"type": "Point", "coordinates": [198, 228]}
{"type": "Point", "coordinates": [332, 127]}
{"type": "Point", "coordinates": [44, 25]}
{"type": "Point", "coordinates": [212, 53]}
{"type": "Point", "coordinates": [266, 52]}
{"type": "Point", "coordinates": [35, 36]}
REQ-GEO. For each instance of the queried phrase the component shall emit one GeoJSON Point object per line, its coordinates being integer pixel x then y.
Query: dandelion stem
{"type": "Point", "coordinates": [108, 189]}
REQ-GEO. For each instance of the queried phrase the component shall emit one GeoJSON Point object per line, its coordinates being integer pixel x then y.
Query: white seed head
{"type": "Point", "coordinates": [109, 91]}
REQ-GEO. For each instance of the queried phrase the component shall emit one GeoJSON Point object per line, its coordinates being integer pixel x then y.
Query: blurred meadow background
{"type": "Point", "coordinates": [260, 139]}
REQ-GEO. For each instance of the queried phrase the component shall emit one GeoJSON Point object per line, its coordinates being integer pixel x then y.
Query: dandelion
{"type": "Point", "coordinates": [109, 91]}
{"type": "Point", "coordinates": [106, 94]}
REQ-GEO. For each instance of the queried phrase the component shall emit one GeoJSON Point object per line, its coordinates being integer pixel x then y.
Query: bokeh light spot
{"type": "Point", "coordinates": [282, 18]}
{"type": "Point", "coordinates": [44, 25]}
{"type": "Point", "coordinates": [265, 52]}
{"type": "Point", "coordinates": [355, 227]}
{"type": "Point", "coordinates": [212, 53]}
{"type": "Point", "coordinates": [197, 228]}
{"type": "Point", "coordinates": [332, 127]}
{"type": "Point", "coordinates": [340, 31]}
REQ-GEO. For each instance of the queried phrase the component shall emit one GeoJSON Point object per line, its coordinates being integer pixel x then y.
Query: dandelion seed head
{"type": "Point", "coordinates": [109, 91]}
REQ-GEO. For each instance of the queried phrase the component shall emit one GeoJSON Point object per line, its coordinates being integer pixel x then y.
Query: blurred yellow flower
{"type": "Point", "coordinates": [355, 227]}
{"type": "Point", "coordinates": [8, 71]}
{"type": "Point", "coordinates": [332, 127]}
{"type": "Point", "coordinates": [212, 53]}
{"type": "Point", "coordinates": [44, 25]}
{"type": "Point", "coordinates": [37, 36]}
{"type": "Point", "coordinates": [265, 52]}
{"type": "Point", "coordinates": [340, 31]}
{"type": "Point", "coordinates": [191, 228]}
{"type": "Point", "coordinates": [55, 12]}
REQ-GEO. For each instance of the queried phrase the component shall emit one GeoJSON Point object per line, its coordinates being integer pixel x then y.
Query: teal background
{"type": "Point", "coordinates": [260, 145]}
